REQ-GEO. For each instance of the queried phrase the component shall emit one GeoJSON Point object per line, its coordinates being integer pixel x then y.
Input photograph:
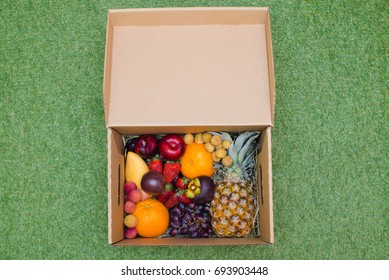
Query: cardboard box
{"type": "Point", "coordinates": [188, 70]}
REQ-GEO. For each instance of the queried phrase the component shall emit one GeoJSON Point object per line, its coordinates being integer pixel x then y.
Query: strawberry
{"type": "Point", "coordinates": [171, 170]}
{"type": "Point", "coordinates": [181, 182]}
{"type": "Point", "coordinates": [155, 165]}
{"type": "Point", "coordinates": [167, 193]}
{"type": "Point", "coordinates": [184, 199]}
{"type": "Point", "coordinates": [172, 201]}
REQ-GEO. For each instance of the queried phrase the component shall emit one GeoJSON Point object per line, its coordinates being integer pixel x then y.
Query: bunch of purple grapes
{"type": "Point", "coordinates": [193, 220]}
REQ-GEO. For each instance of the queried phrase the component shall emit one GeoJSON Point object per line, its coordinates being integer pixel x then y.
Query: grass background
{"type": "Point", "coordinates": [330, 140]}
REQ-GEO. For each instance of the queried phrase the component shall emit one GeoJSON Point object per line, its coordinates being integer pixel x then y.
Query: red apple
{"type": "Point", "coordinates": [171, 147]}
{"type": "Point", "coordinates": [146, 146]}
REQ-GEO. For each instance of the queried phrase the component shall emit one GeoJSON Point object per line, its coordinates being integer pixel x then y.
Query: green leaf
{"type": "Point", "coordinates": [248, 147]}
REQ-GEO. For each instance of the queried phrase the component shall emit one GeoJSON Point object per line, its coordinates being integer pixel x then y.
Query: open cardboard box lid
{"type": "Point", "coordinates": [189, 67]}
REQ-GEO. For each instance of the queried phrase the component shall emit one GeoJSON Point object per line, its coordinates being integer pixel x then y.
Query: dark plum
{"type": "Point", "coordinates": [153, 183]}
{"type": "Point", "coordinates": [146, 146]}
{"type": "Point", "coordinates": [130, 145]}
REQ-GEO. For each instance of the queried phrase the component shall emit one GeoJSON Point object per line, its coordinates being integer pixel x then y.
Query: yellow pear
{"type": "Point", "coordinates": [136, 167]}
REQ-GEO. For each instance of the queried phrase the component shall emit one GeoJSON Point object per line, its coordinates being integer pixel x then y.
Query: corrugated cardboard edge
{"type": "Point", "coordinates": [265, 184]}
{"type": "Point", "coordinates": [115, 191]}
{"type": "Point", "coordinates": [186, 241]}
{"type": "Point", "coordinates": [107, 67]}
{"type": "Point", "coordinates": [270, 62]}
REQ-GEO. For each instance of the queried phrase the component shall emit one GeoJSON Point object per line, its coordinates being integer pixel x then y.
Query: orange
{"type": "Point", "coordinates": [153, 218]}
{"type": "Point", "coordinates": [196, 161]}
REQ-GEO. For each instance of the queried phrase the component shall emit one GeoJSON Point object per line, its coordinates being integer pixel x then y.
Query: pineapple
{"type": "Point", "coordinates": [233, 207]}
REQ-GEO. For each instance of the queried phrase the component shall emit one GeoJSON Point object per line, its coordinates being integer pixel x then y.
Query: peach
{"type": "Point", "coordinates": [129, 206]}
{"type": "Point", "coordinates": [134, 196]}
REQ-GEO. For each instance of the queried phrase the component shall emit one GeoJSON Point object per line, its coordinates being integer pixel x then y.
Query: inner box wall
{"type": "Point", "coordinates": [115, 192]}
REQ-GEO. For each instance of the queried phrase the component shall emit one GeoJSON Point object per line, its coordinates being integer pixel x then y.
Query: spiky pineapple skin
{"type": "Point", "coordinates": [233, 208]}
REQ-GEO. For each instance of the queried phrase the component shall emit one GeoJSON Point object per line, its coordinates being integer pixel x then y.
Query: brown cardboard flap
{"type": "Point", "coordinates": [140, 129]}
{"type": "Point", "coordinates": [115, 186]}
{"type": "Point", "coordinates": [188, 16]}
{"type": "Point", "coordinates": [270, 62]}
{"type": "Point", "coordinates": [188, 67]}
{"type": "Point", "coordinates": [265, 188]}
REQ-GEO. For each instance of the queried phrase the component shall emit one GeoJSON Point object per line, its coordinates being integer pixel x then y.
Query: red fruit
{"type": "Point", "coordinates": [129, 186]}
{"type": "Point", "coordinates": [172, 201]}
{"type": "Point", "coordinates": [171, 171]}
{"type": "Point", "coordinates": [181, 182]}
{"type": "Point", "coordinates": [134, 196]}
{"type": "Point", "coordinates": [129, 206]}
{"type": "Point", "coordinates": [146, 146]}
{"type": "Point", "coordinates": [130, 233]}
{"type": "Point", "coordinates": [171, 147]}
{"type": "Point", "coordinates": [184, 199]}
{"type": "Point", "coordinates": [155, 165]}
{"type": "Point", "coordinates": [167, 193]}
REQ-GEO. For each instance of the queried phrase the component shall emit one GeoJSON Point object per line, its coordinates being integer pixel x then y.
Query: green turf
{"type": "Point", "coordinates": [330, 140]}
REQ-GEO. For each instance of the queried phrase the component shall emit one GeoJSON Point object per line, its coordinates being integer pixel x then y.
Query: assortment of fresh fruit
{"type": "Point", "coordinates": [197, 185]}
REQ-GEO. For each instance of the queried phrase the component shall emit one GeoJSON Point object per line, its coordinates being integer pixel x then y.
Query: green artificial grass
{"type": "Point", "coordinates": [330, 140]}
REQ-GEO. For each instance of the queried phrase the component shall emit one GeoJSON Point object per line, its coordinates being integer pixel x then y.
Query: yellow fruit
{"type": "Point", "coordinates": [209, 147]}
{"type": "Point", "coordinates": [216, 140]}
{"type": "Point", "coordinates": [221, 153]}
{"type": "Point", "coordinates": [188, 138]}
{"type": "Point", "coordinates": [136, 167]}
{"type": "Point", "coordinates": [226, 144]}
{"type": "Point", "coordinates": [227, 161]}
{"type": "Point", "coordinates": [214, 157]}
{"type": "Point", "coordinates": [207, 137]}
{"type": "Point", "coordinates": [130, 221]}
{"type": "Point", "coordinates": [199, 138]}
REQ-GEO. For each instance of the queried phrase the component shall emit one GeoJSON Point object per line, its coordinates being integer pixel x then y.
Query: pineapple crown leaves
{"type": "Point", "coordinates": [242, 151]}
